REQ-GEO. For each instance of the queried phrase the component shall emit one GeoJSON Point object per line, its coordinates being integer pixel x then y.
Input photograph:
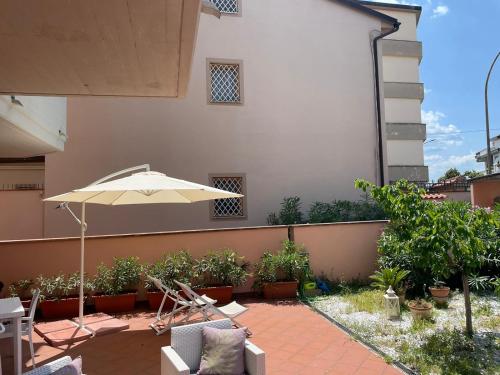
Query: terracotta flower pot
{"type": "Point", "coordinates": [280, 290]}
{"type": "Point", "coordinates": [420, 311]}
{"type": "Point", "coordinates": [223, 294]}
{"type": "Point", "coordinates": [154, 301]}
{"type": "Point", "coordinates": [114, 304]}
{"type": "Point", "coordinates": [440, 292]}
{"type": "Point", "coordinates": [62, 308]}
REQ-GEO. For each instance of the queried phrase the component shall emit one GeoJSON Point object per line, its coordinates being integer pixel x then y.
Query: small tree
{"type": "Point", "coordinates": [443, 238]}
{"type": "Point", "coordinates": [290, 211]}
{"type": "Point", "coordinates": [472, 174]}
{"type": "Point", "coordinates": [450, 173]}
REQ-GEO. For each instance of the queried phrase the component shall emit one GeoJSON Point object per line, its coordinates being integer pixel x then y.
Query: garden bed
{"type": "Point", "coordinates": [406, 341]}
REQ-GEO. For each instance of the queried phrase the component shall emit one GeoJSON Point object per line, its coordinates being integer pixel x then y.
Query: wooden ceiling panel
{"type": "Point", "coordinates": [96, 47]}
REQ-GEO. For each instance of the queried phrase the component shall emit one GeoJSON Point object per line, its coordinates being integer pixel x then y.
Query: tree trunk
{"type": "Point", "coordinates": [468, 310]}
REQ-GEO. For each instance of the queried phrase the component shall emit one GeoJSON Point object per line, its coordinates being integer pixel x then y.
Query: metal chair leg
{"type": "Point", "coordinates": [30, 334]}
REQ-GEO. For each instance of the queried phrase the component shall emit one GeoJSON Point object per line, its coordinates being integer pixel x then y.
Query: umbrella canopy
{"type": "Point", "coordinates": [144, 188]}
{"type": "Point", "coordinates": [140, 188]}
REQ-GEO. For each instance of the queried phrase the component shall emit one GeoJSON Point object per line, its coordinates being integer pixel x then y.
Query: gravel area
{"type": "Point", "coordinates": [388, 335]}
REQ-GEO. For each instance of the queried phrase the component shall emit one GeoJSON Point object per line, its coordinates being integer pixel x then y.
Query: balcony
{"type": "Point", "coordinates": [31, 126]}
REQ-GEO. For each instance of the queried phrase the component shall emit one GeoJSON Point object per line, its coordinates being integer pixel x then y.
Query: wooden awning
{"type": "Point", "coordinates": [97, 47]}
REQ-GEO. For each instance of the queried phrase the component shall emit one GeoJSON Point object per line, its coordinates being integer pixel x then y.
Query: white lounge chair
{"type": "Point", "coordinates": [229, 311]}
{"type": "Point", "coordinates": [183, 356]}
{"type": "Point", "coordinates": [26, 324]}
{"type": "Point", "coordinates": [166, 320]}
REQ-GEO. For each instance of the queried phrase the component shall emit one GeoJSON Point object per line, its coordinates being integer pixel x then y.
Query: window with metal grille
{"type": "Point", "coordinates": [225, 83]}
{"type": "Point", "coordinates": [229, 207]}
{"type": "Point", "coordinates": [227, 6]}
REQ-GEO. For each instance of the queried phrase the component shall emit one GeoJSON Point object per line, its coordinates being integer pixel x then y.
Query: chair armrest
{"type": "Point", "coordinates": [255, 359]}
{"type": "Point", "coordinates": [172, 363]}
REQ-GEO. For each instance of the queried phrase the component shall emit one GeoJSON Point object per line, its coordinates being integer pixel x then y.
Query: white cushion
{"type": "Point", "coordinates": [187, 340]}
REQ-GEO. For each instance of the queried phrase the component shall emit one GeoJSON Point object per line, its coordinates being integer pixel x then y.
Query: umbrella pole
{"type": "Point", "coordinates": [82, 257]}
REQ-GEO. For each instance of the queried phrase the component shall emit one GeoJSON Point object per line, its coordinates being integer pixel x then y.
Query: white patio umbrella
{"type": "Point", "coordinates": [139, 188]}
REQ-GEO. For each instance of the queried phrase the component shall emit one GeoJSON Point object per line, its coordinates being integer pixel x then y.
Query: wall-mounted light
{"type": "Point", "coordinates": [15, 101]}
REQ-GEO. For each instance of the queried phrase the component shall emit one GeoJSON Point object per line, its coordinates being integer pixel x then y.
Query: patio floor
{"type": "Point", "coordinates": [296, 341]}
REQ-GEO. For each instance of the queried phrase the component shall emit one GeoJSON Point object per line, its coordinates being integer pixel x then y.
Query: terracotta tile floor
{"type": "Point", "coordinates": [296, 341]}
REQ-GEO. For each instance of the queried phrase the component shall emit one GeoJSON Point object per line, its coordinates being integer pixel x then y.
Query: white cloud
{"type": "Point", "coordinates": [440, 10]}
{"type": "Point", "coordinates": [445, 134]}
{"type": "Point", "coordinates": [439, 164]}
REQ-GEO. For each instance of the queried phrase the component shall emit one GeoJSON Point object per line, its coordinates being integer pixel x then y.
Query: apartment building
{"type": "Point", "coordinates": [495, 154]}
{"type": "Point", "coordinates": [282, 101]}
{"type": "Point", "coordinates": [403, 94]}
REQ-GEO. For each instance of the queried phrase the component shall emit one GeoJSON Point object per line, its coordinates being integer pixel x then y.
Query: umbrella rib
{"type": "Point", "coordinates": [118, 197]}
{"type": "Point", "coordinates": [95, 195]}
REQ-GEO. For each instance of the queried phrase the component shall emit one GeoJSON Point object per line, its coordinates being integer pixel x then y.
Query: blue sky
{"type": "Point", "coordinates": [460, 39]}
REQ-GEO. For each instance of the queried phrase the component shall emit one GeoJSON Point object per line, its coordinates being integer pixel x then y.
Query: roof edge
{"type": "Point", "coordinates": [492, 176]}
{"type": "Point", "coordinates": [414, 8]}
{"type": "Point", "coordinates": [359, 5]}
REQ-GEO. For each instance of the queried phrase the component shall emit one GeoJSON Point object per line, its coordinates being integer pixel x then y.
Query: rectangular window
{"type": "Point", "coordinates": [224, 82]}
{"type": "Point", "coordinates": [229, 207]}
{"type": "Point", "coordinates": [227, 6]}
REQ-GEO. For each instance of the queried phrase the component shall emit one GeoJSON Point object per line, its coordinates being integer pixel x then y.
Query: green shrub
{"type": "Point", "coordinates": [176, 266]}
{"type": "Point", "coordinates": [450, 352]}
{"type": "Point", "coordinates": [59, 286]}
{"type": "Point", "coordinates": [290, 211]}
{"type": "Point", "coordinates": [393, 277]}
{"type": "Point", "coordinates": [341, 210]}
{"type": "Point", "coordinates": [441, 239]}
{"type": "Point", "coordinates": [124, 275]}
{"type": "Point", "coordinates": [221, 268]}
{"type": "Point", "coordinates": [21, 289]}
{"type": "Point", "coordinates": [291, 263]}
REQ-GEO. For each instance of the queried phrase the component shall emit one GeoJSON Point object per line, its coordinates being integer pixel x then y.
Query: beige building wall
{"type": "Point", "coordinates": [402, 54]}
{"type": "Point", "coordinates": [398, 111]}
{"type": "Point", "coordinates": [404, 152]}
{"type": "Point", "coordinates": [21, 215]}
{"type": "Point", "coordinates": [308, 103]}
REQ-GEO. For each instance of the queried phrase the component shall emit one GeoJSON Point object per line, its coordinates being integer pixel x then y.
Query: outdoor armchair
{"type": "Point", "coordinates": [183, 356]}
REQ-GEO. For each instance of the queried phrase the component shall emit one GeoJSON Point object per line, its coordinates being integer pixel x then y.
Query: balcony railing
{"type": "Point", "coordinates": [10, 187]}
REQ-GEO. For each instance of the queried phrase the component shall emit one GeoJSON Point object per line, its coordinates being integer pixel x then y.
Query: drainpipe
{"type": "Point", "coordinates": [395, 28]}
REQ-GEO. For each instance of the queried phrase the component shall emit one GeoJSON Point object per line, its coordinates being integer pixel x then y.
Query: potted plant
{"type": "Point", "coordinates": [218, 272]}
{"type": "Point", "coordinates": [394, 277]}
{"type": "Point", "coordinates": [59, 295]}
{"type": "Point", "coordinates": [177, 266]}
{"type": "Point", "coordinates": [439, 292]}
{"type": "Point", "coordinates": [420, 309]}
{"type": "Point", "coordinates": [115, 286]}
{"type": "Point", "coordinates": [22, 289]}
{"type": "Point", "coordinates": [279, 274]}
